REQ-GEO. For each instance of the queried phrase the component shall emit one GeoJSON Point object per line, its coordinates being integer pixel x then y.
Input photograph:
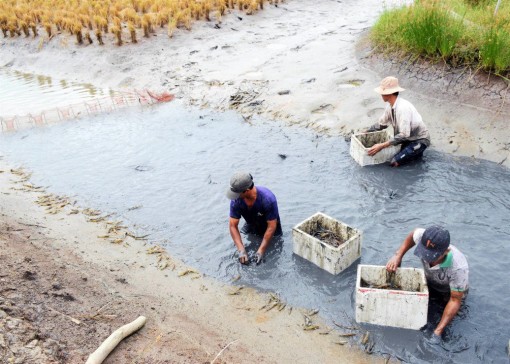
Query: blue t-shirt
{"type": "Point", "coordinates": [263, 210]}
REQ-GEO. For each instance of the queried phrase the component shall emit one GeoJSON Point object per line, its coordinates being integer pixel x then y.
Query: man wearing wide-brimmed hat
{"type": "Point", "coordinates": [446, 269]}
{"type": "Point", "coordinates": [409, 130]}
{"type": "Point", "coordinates": [258, 206]}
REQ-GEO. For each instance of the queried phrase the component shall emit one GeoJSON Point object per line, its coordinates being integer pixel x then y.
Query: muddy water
{"type": "Point", "coordinates": [176, 164]}
{"type": "Point", "coordinates": [23, 93]}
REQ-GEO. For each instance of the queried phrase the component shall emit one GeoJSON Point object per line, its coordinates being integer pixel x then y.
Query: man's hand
{"type": "Point", "coordinates": [434, 339]}
{"type": "Point", "coordinates": [376, 149]}
{"type": "Point", "coordinates": [258, 258]}
{"type": "Point", "coordinates": [243, 257]}
{"type": "Point", "coordinates": [393, 263]}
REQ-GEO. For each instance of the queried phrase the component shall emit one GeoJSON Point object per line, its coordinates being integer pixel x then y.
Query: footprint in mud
{"type": "Point", "coordinates": [323, 108]}
{"type": "Point", "coordinates": [65, 296]}
{"type": "Point", "coordinates": [370, 100]}
{"type": "Point", "coordinates": [29, 276]}
{"type": "Point", "coordinates": [375, 112]}
{"type": "Point", "coordinates": [142, 168]}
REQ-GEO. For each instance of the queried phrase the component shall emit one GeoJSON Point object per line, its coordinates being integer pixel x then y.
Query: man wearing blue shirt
{"type": "Point", "coordinates": [259, 208]}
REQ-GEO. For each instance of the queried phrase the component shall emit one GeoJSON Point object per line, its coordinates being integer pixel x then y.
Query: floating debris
{"type": "Point", "coordinates": [188, 271]}
{"type": "Point", "coordinates": [364, 339]}
{"type": "Point", "coordinates": [349, 334]}
{"type": "Point", "coordinates": [164, 265]}
{"type": "Point", "coordinates": [341, 342]}
{"type": "Point", "coordinates": [156, 249]}
{"type": "Point", "coordinates": [345, 327]}
{"type": "Point", "coordinates": [53, 204]}
{"type": "Point", "coordinates": [96, 219]}
{"type": "Point", "coordinates": [143, 237]}
{"type": "Point", "coordinates": [90, 212]}
{"type": "Point", "coordinates": [313, 312]}
{"type": "Point", "coordinates": [24, 176]}
{"type": "Point", "coordinates": [115, 227]}
{"type": "Point", "coordinates": [274, 302]}
{"type": "Point", "coordinates": [356, 83]}
{"type": "Point", "coordinates": [236, 278]}
{"type": "Point", "coordinates": [31, 187]}
{"type": "Point", "coordinates": [163, 259]}
{"type": "Point", "coordinates": [236, 291]}
{"type": "Point", "coordinates": [311, 327]}
{"type": "Point", "coordinates": [308, 321]}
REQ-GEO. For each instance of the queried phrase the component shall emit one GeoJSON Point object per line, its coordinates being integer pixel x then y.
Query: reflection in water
{"type": "Point", "coordinates": [192, 156]}
{"type": "Point", "coordinates": [23, 93]}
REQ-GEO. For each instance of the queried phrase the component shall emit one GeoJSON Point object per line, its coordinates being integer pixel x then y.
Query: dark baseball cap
{"type": "Point", "coordinates": [240, 182]}
{"type": "Point", "coordinates": [439, 242]}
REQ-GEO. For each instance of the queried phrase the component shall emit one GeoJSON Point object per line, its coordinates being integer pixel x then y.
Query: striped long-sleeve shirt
{"type": "Point", "coordinates": [406, 122]}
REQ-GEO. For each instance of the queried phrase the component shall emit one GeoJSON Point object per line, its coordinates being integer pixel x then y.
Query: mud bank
{"type": "Point", "coordinates": [467, 110]}
{"type": "Point", "coordinates": [296, 62]}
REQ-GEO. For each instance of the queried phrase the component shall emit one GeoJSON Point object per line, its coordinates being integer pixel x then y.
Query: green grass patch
{"type": "Point", "coordinates": [460, 32]}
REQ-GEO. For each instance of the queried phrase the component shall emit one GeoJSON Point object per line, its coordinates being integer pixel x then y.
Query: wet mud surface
{"type": "Point", "coordinates": [45, 302]}
{"type": "Point", "coordinates": [437, 79]}
{"type": "Point", "coordinates": [191, 156]}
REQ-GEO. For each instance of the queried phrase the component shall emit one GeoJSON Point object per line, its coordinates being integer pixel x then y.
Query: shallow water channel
{"type": "Point", "coordinates": [176, 164]}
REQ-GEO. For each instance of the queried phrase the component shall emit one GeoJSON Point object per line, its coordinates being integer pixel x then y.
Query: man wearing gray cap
{"type": "Point", "coordinates": [409, 130]}
{"type": "Point", "coordinates": [258, 206]}
{"type": "Point", "coordinates": [446, 269]}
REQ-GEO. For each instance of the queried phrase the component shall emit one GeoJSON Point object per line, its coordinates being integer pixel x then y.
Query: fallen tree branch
{"type": "Point", "coordinates": [76, 321]}
{"type": "Point", "coordinates": [217, 356]}
{"type": "Point", "coordinates": [114, 339]}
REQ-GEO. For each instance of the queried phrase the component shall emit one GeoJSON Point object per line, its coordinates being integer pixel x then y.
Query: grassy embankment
{"type": "Point", "coordinates": [93, 20]}
{"type": "Point", "coordinates": [462, 33]}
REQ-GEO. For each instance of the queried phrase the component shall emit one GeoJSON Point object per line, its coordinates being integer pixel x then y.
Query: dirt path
{"type": "Point", "coordinates": [63, 290]}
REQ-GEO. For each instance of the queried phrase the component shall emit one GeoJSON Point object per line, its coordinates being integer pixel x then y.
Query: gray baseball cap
{"type": "Point", "coordinates": [240, 182]}
{"type": "Point", "coordinates": [439, 242]}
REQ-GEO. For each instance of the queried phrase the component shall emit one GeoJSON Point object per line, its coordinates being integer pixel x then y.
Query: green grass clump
{"type": "Point", "coordinates": [460, 32]}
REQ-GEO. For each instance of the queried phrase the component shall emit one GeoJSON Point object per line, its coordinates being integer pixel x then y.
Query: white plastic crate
{"type": "Point", "coordinates": [361, 143]}
{"type": "Point", "coordinates": [380, 305]}
{"type": "Point", "coordinates": [328, 257]}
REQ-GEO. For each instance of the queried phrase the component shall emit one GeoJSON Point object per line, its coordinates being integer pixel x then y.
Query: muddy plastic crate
{"type": "Point", "coordinates": [361, 143]}
{"type": "Point", "coordinates": [400, 300]}
{"type": "Point", "coordinates": [326, 242]}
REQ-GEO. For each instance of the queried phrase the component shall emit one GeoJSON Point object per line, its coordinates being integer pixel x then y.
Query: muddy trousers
{"type": "Point", "coordinates": [409, 151]}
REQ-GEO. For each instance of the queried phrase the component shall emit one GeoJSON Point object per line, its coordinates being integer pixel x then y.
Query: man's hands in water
{"type": "Point", "coordinates": [243, 257]}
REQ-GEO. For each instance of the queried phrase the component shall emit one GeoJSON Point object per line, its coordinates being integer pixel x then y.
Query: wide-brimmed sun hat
{"type": "Point", "coordinates": [240, 182]}
{"type": "Point", "coordinates": [439, 242]}
{"type": "Point", "coordinates": [388, 86]}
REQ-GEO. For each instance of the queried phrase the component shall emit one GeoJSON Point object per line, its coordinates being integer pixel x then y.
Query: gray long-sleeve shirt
{"type": "Point", "coordinates": [406, 122]}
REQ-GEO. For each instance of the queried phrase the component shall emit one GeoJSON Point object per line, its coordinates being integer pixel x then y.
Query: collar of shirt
{"type": "Point", "coordinates": [448, 261]}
